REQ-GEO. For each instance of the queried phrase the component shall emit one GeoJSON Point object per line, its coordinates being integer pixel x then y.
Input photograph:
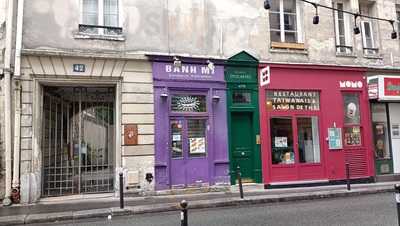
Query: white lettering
{"type": "Point", "coordinates": [168, 68]}
{"type": "Point", "coordinates": [350, 84]}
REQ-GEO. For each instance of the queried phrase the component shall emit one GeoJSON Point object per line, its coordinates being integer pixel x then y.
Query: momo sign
{"type": "Point", "coordinates": [351, 84]}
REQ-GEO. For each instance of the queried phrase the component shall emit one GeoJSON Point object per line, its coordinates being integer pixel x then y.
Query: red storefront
{"type": "Point", "coordinates": [314, 120]}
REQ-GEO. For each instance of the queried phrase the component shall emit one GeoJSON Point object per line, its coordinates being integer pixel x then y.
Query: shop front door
{"type": "Point", "coordinates": [295, 148]}
{"type": "Point", "coordinates": [243, 146]}
{"type": "Point", "coordinates": [188, 151]}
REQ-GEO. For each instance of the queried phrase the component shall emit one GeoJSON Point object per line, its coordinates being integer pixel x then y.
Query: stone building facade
{"type": "Point", "coordinates": [59, 49]}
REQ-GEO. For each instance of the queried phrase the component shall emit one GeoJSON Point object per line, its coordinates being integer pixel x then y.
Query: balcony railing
{"type": "Point", "coordinates": [344, 49]}
{"type": "Point", "coordinates": [371, 51]}
{"type": "Point", "coordinates": [100, 30]}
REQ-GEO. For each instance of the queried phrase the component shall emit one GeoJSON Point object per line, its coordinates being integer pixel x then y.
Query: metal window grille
{"type": "Point", "coordinates": [77, 140]}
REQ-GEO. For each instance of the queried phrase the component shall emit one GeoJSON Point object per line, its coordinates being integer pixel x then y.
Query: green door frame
{"type": "Point", "coordinates": [241, 75]}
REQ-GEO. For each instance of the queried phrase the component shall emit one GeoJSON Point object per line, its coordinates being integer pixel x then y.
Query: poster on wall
{"type": "Point", "coordinates": [281, 142]}
{"type": "Point", "coordinates": [197, 145]}
{"type": "Point", "coordinates": [381, 151]}
{"type": "Point", "coordinates": [335, 138]}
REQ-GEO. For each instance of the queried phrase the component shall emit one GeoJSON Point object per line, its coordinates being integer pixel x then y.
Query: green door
{"type": "Point", "coordinates": [243, 143]}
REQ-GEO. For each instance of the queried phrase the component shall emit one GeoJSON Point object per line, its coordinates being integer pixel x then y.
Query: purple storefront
{"type": "Point", "coordinates": [191, 124]}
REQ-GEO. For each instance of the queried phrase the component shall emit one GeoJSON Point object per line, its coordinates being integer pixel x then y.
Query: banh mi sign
{"type": "Point", "coordinates": [284, 100]}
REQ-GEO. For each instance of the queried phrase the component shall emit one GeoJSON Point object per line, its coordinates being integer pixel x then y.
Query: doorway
{"type": "Point", "coordinates": [78, 141]}
{"type": "Point", "coordinates": [295, 147]}
{"type": "Point", "coordinates": [189, 157]}
{"type": "Point", "coordinates": [243, 142]}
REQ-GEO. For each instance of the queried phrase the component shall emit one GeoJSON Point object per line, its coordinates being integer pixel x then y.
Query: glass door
{"type": "Point", "coordinates": [295, 140]}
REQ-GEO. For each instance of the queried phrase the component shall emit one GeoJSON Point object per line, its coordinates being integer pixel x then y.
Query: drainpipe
{"type": "Point", "coordinates": [17, 119]}
{"type": "Point", "coordinates": [7, 101]}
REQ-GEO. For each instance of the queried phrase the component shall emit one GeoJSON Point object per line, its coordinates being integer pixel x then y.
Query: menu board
{"type": "Point", "coordinates": [335, 138]}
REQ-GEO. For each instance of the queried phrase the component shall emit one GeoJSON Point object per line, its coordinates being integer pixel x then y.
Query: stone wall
{"type": "Point", "coordinates": [134, 77]}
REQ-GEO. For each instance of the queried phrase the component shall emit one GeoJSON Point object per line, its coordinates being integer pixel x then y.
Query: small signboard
{"type": "Point", "coordinates": [335, 138]}
{"type": "Point", "coordinates": [131, 134]}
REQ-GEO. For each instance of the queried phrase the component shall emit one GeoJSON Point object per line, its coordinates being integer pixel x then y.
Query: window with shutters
{"type": "Point", "coordinates": [342, 28]}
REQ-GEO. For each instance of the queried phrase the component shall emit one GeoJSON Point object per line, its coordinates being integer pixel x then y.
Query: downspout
{"type": "Point", "coordinates": [7, 101]}
{"type": "Point", "coordinates": [17, 118]}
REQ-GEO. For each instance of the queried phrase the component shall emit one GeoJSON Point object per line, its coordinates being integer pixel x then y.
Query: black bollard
{"type": "Point", "coordinates": [184, 213]}
{"type": "Point", "coordinates": [239, 177]}
{"type": "Point", "coordinates": [121, 190]}
{"type": "Point", "coordinates": [397, 195]}
{"type": "Point", "coordinates": [348, 176]}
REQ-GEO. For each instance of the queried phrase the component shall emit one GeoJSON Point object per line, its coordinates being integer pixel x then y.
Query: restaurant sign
{"type": "Point", "coordinates": [283, 100]}
{"type": "Point", "coordinates": [392, 86]}
{"type": "Point", "coordinates": [384, 87]}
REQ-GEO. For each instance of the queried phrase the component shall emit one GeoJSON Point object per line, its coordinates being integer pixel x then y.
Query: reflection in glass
{"type": "Point", "coordinates": [282, 141]}
{"type": "Point", "coordinates": [308, 137]}
{"type": "Point", "coordinates": [197, 137]}
{"type": "Point", "coordinates": [176, 136]}
{"type": "Point", "coordinates": [241, 97]}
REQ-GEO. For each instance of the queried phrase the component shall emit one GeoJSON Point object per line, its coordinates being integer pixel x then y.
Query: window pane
{"type": "Point", "coordinates": [240, 97]}
{"type": "Point", "coordinates": [352, 136]}
{"type": "Point", "coordinates": [274, 21]}
{"type": "Point", "coordinates": [197, 137]}
{"type": "Point", "coordinates": [289, 6]}
{"type": "Point", "coordinates": [176, 138]}
{"type": "Point", "coordinates": [351, 108]}
{"type": "Point", "coordinates": [275, 6]}
{"type": "Point", "coordinates": [111, 13]}
{"type": "Point", "coordinates": [282, 141]}
{"type": "Point", "coordinates": [275, 36]}
{"type": "Point", "coordinates": [291, 37]}
{"type": "Point", "coordinates": [188, 103]}
{"type": "Point", "coordinates": [90, 12]}
{"type": "Point", "coordinates": [308, 136]}
{"type": "Point", "coordinates": [290, 22]}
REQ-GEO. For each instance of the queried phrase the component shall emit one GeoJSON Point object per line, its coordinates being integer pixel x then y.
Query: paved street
{"type": "Point", "coordinates": [361, 210]}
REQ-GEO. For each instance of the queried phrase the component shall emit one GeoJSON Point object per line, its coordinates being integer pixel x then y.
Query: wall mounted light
{"type": "Point", "coordinates": [210, 65]}
{"type": "Point", "coordinates": [356, 28]}
{"type": "Point", "coordinates": [267, 4]}
{"type": "Point", "coordinates": [164, 94]}
{"type": "Point", "coordinates": [394, 33]}
{"type": "Point", "coordinates": [177, 62]}
{"type": "Point", "coordinates": [316, 17]}
{"type": "Point", "coordinates": [216, 98]}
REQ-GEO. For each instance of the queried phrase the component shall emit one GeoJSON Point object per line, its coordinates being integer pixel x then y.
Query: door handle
{"type": "Point", "coordinates": [258, 139]}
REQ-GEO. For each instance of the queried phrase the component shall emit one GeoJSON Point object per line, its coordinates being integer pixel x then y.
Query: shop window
{"type": "Point", "coordinates": [308, 139]}
{"type": "Point", "coordinates": [282, 141]}
{"type": "Point", "coordinates": [284, 21]}
{"type": "Point", "coordinates": [352, 120]}
{"type": "Point", "coordinates": [197, 137]}
{"type": "Point", "coordinates": [100, 17]}
{"type": "Point", "coordinates": [342, 29]}
{"type": "Point", "coordinates": [176, 136]}
{"type": "Point", "coordinates": [240, 97]}
{"type": "Point", "coordinates": [380, 131]}
{"type": "Point", "coordinates": [188, 103]}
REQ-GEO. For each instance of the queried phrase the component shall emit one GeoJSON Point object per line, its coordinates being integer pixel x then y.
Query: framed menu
{"type": "Point", "coordinates": [335, 138]}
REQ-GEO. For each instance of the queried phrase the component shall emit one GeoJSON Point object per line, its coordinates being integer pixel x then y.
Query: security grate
{"type": "Point", "coordinates": [77, 140]}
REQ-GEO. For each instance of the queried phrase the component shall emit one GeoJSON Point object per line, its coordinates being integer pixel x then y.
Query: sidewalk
{"type": "Point", "coordinates": [78, 207]}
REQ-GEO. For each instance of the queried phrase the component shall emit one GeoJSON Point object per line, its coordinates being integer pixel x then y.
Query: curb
{"type": "Point", "coordinates": [199, 204]}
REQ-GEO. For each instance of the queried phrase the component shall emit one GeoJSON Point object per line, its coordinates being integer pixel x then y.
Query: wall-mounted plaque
{"type": "Point", "coordinates": [131, 134]}
{"type": "Point", "coordinates": [335, 138]}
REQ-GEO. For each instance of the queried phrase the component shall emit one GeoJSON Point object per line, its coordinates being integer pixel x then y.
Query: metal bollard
{"type": "Point", "coordinates": [397, 195]}
{"type": "Point", "coordinates": [348, 176]}
{"type": "Point", "coordinates": [239, 177]}
{"type": "Point", "coordinates": [121, 190]}
{"type": "Point", "coordinates": [184, 213]}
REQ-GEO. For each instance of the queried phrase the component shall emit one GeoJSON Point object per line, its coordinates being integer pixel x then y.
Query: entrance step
{"type": "Point", "coordinates": [387, 178]}
{"type": "Point", "coordinates": [197, 190]}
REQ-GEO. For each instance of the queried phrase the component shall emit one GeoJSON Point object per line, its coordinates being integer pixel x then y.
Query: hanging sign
{"type": "Point", "coordinates": [265, 76]}
{"type": "Point", "coordinates": [335, 138]}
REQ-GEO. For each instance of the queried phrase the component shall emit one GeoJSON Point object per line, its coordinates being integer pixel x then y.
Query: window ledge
{"type": "Point", "coordinates": [369, 56]}
{"type": "Point", "coordinates": [282, 47]}
{"type": "Point", "coordinates": [350, 55]}
{"type": "Point", "coordinates": [81, 35]}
